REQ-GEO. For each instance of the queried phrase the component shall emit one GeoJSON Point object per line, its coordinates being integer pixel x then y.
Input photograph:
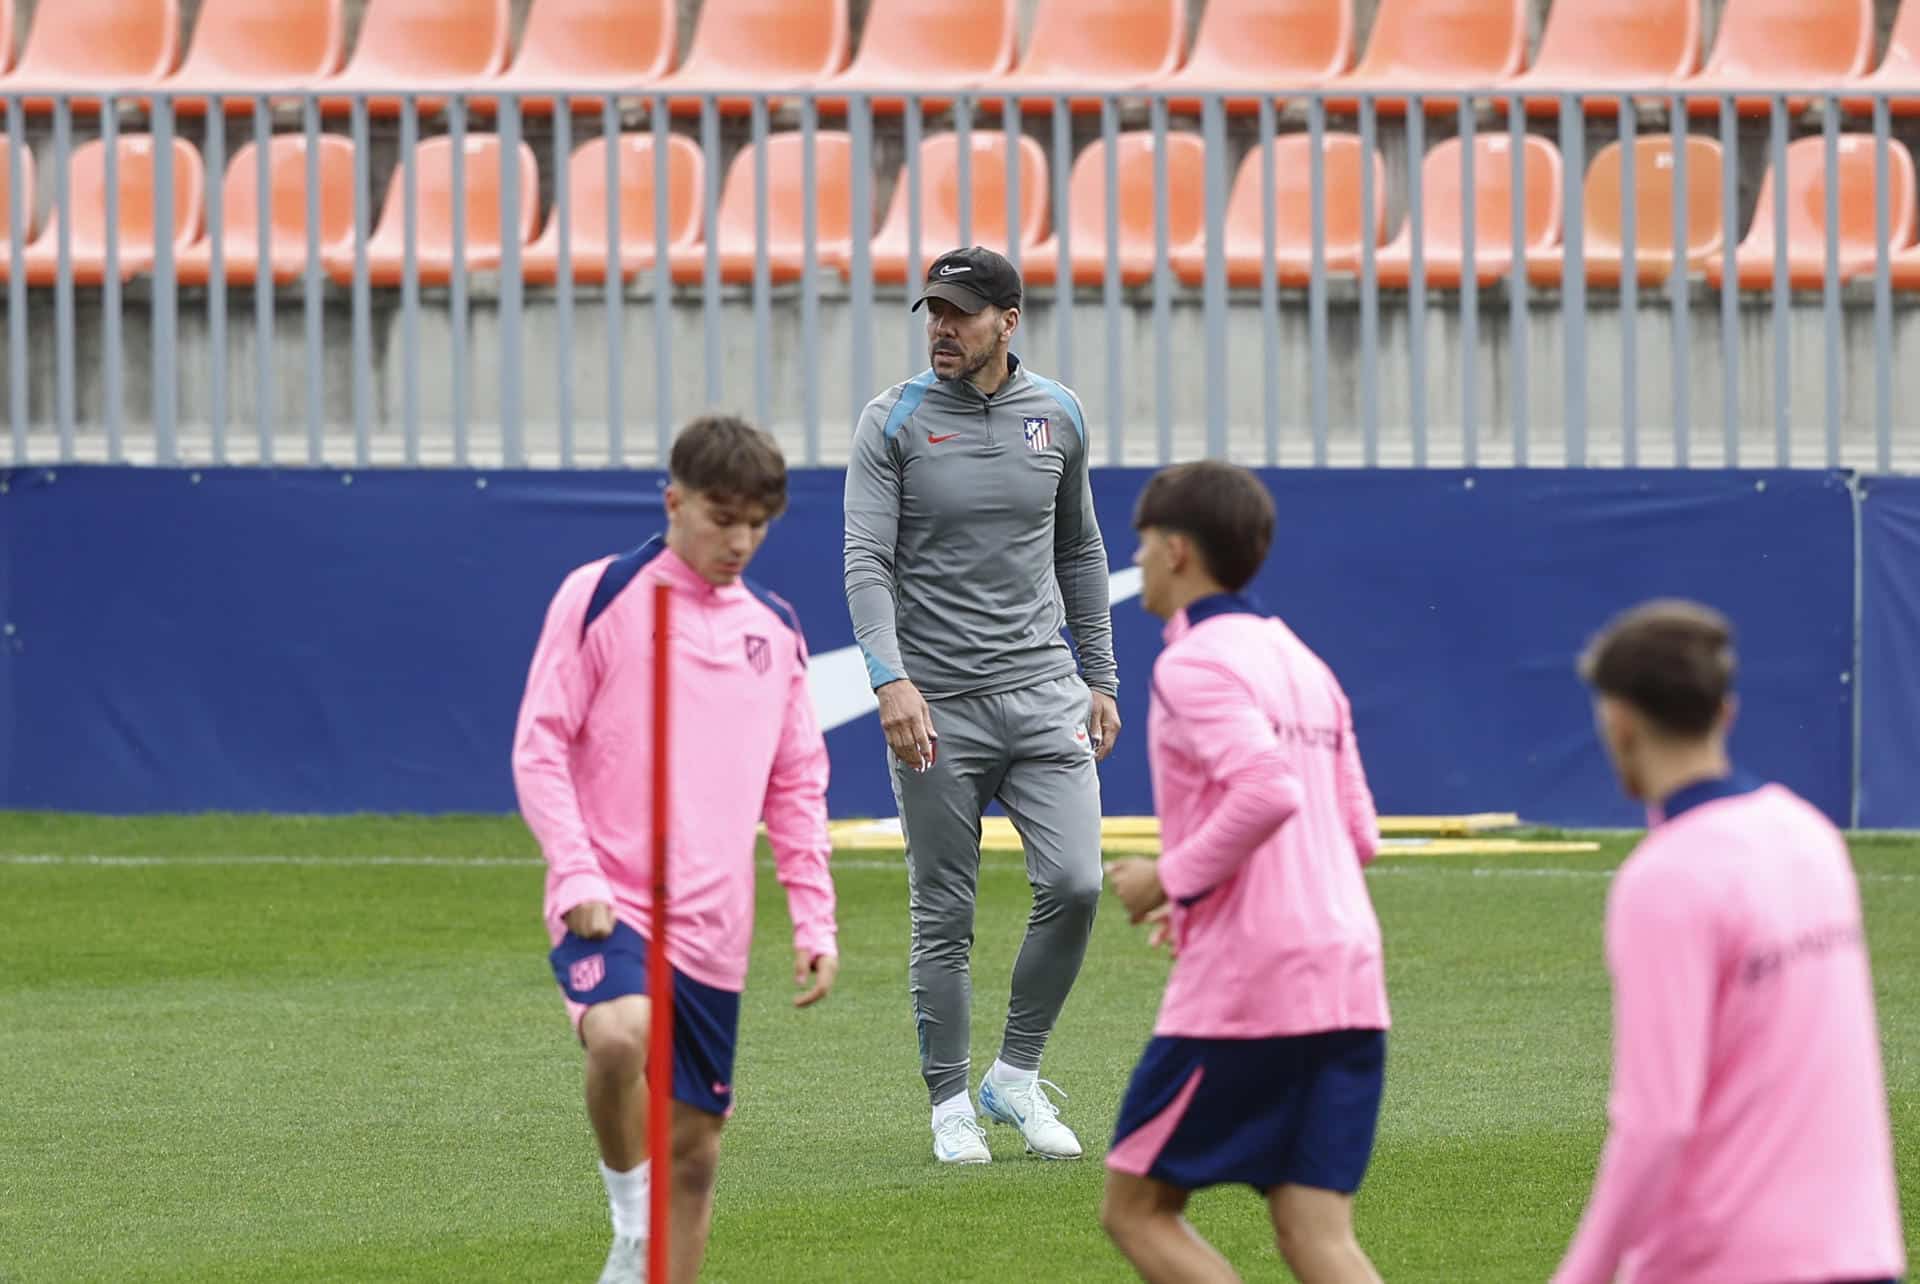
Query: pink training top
{"type": "Point", "coordinates": [745, 746]}
{"type": "Point", "coordinates": [1749, 1139]}
{"type": "Point", "coordinates": [1265, 823]}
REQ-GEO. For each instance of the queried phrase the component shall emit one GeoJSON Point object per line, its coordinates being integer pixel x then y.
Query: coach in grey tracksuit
{"type": "Point", "coordinates": [970, 542]}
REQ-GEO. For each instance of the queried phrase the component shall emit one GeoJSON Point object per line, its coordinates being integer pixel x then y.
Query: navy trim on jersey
{"type": "Point", "coordinates": [619, 573]}
{"type": "Point", "coordinates": [911, 396]}
{"type": "Point", "coordinates": [1067, 403]}
{"type": "Point", "coordinates": [1699, 794]}
{"type": "Point", "coordinates": [1213, 604]}
{"type": "Point", "coordinates": [780, 607]}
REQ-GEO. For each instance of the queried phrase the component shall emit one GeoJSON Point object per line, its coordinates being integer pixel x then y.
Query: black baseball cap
{"type": "Point", "coordinates": [972, 279]}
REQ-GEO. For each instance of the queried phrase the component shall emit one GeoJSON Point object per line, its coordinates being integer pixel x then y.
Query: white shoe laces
{"type": "Point", "coordinates": [1040, 1107]}
{"type": "Point", "coordinates": [953, 1126]}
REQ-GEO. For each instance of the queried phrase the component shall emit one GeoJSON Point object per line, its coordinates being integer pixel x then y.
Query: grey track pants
{"type": "Point", "coordinates": [1028, 749]}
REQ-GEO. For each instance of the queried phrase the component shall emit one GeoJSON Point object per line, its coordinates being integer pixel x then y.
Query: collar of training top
{"type": "Point", "coordinates": [1701, 792]}
{"type": "Point", "coordinates": [1205, 608]}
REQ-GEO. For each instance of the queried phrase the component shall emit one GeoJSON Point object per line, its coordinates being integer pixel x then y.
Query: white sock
{"type": "Point", "coordinates": [1010, 1075]}
{"type": "Point", "coordinates": [627, 1195]}
{"type": "Point", "coordinates": [961, 1103]}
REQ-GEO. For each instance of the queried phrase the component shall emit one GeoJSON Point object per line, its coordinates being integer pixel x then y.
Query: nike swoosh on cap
{"type": "Point", "coordinates": [951, 270]}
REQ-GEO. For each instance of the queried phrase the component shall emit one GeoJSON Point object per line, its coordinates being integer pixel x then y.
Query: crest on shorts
{"type": "Point", "coordinates": [759, 655]}
{"type": "Point", "coordinates": [587, 973]}
{"type": "Point", "coordinates": [1039, 433]}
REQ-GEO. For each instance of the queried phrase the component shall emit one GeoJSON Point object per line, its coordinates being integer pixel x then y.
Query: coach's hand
{"type": "Point", "coordinates": [823, 968]}
{"type": "Point", "coordinates": [590, 921]}
{"type": "Point", "coordinates": [1103, 725]}
{"type": "Point", "coordinates": [1136, 880]}
{"type": "Point", "coordinates": [908, 722]}
{"type": "Point", "coordinates": [1162, 933]}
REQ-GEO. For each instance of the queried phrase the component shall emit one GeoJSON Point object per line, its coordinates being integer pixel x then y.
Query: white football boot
{"type": "Point", "coordinates": [626, 1261]}
{"type": "Point", "coordinates": [1027, 1106]}
{"type": "Point", "coordinates": [959, 1139]}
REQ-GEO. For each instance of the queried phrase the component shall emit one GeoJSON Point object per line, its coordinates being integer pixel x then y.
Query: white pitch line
{"type": "Point", "coordinates": [850, 863]}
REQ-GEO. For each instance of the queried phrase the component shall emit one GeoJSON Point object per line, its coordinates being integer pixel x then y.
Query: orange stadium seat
{"type": "Point", "coordinates": [286, 212]}
{"type": "Point", "coordinates": [97, 46]}
{"type": "Point", "coordinates": [423, 46]}
{"type": "Point", "coordinates": [1102, 46]}
{"type": "Point", "coordinates": [1441, 211]}
{"type": "Point", "coordinates": [1437, 44]}
{"type": "Point", "coordinates": [1903, 269]}
{"type": "Point", "coordinates": [1611, 46]}
{"type": "Point", "coordinates": [1346, 227]}
{"type": "Point", "coordinates": [433, 167]}
{"type": "Point", "coordinates": [247, 45]}
{"type": "Point", "coordinates": [940, 204]}
{"type": "Point", "coordinates": [1653, 171]}
{"type": "Point", "coordinates": [1087, 210]}
{"type": "Point", "coordinates": [587, 209]}
{"type": "Point", "coordinates": [607, 45]}
{"type": "Point", "coordinates": [735, 238]}
{"type": "Point", "coordinates": [770, 45]}
{"type": "Point", "coordinates": [87, 199]}
{"type": "Point", "coordinates": [1788, 44]}
{"type": "Point", "coordinates": [26, 193]}
{"type": "Point", "coordinates": [930, 44]}
{"type": "Point", "coordinates": [1806, 230]}
{"type": "Point", "coordinates": [1899, 71]}
{"type": "Point", "coordinates": [1258, 46]}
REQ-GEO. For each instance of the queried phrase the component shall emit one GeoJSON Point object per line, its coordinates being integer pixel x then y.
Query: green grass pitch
{"type": "Point", "coordinates": [248, 1049]}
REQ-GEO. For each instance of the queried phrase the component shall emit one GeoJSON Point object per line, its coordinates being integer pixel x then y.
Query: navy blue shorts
{"type": "Point", "coordinates": [1293, 1111]}
{"type": "Point", "coordinates": [706, 1021]}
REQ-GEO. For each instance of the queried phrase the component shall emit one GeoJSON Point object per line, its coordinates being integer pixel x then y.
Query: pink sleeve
{"type": "Point", "coordinates": [1212, 719]}
{"type": "Point", "coordinates": [1663, 957]}
{"type": "Point", "coordinates": [795, 811]}
{"type": "Point", "coordinates": [1356, 799]}
{"type": "Point", "coordinates": [560, 689]}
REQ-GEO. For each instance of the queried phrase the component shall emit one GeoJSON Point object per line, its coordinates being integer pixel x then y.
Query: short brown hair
{"type": "Point", "coordinates": [727, 457]}
{"type": "Point", "coordinates": [1221, 507]}
{"type": "Point", "coordinates": [1671, 660]}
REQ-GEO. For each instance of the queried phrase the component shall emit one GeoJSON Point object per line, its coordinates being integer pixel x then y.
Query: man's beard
{"type": "Point", "coordinates": [972, 367]}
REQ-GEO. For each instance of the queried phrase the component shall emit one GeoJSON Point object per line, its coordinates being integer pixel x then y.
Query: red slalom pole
{"type": "Point", "coordinates": [659, 971]}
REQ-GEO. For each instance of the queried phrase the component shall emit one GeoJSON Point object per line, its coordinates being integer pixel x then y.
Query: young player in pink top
{"type": "Point", "coordinates": [1266, 1064]}
{"type": "Point", "coordinates": [745, 746]}
{"type": "Point", "coordinates": [1748, 1138]}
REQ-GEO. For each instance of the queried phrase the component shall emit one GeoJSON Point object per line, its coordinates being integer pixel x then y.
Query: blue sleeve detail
{"type": "Point", "coordinates": [911, 395]}
{"type": "Point", "coordinates": [780, 607]}
{"type": "Point", "coordinates": [878, 674]}
{"type": "Point", "coordinates": [1059, 393]}
{"type": "Point", "coordinates": [619, 573]}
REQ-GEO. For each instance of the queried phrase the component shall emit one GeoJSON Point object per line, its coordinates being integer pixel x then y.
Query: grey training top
{"type": "Point", "coordinates": [971, 538]}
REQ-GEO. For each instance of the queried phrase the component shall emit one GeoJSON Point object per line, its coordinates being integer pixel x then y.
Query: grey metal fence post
{"type": "Point", "coordinates": [1469, 292]}
{"type": "Point", "coordinates": [1163, 289]}
{"type": "Point", "coordinates": [457, 139]}
{"type": "Point", "coordinates": [1573, 275]}
{"type": "Point", "coordinates": [362, 294]}
{"type": "Point", "coordinates": [1679, 288]}
{"type": "Point", "coordinates": [1730, 282]}
{"type": "Point", "coordinates": [1830, 293]}
{"type": "Point", "coordinates": [1269, 289]}
{"type": "Point", "coordinates": [266, 411]}
{"type": "Point", "coordinates": [1317, 270]}
{"type": "Point", "coordinates": [217, 274]}
{"type": "Point", "coordinates": [1782, 287]}
{"type": "Point", "coordinates": [1060, 163]}
{"type": "Point", "coordinates": [809, 285]}
{"type": "Point", "coordinates": [963, 162]}
{"type": "Point", "coordinates": [1416, 282]}
{"type": "Point", "coordinates": [710, 224]}
{"type": "Point", "coordinates": [113, 357]}
{"type": "Point", "coordinates": [408, 176]}
{"type": "Point", "coordinates": [1518, 324]}
{"type": "Point", "coordinates": [1214, 130]}
{"type": "Point", "coordinates": [1882, 295]}
{"type": "Point", "coordinates": [914, 324]}
{"type": "Point", "coordinates": [19, 408]}
{"type": "Point", "coordinates": [860, 369]}
{"type": "Point", "coordinates": [63, 328]}
{"type": "Point", "coordinates": [1110, 285]}
{"type": "Point", "coordinates": [315, 281]}
{"type": "Point", "coordinates": [1369, 291]}
{"type": "Point", "coordinates": [563, 277]}
{"type": "Point", "coordinates": [762, 272]}
{"type": "Point", "coordinates": [1630, 285]}
{"type": "Point", "coordinates": [166, 351]}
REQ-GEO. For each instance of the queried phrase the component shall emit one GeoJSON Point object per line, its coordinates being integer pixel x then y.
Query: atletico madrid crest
{"type": "Point", "coordinates": [1039, 433]}
{"type": "Point", "coordinates": [758, 654]}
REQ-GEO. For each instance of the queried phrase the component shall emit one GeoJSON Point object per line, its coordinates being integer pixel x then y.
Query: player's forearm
{"type": "Point", "coordinates": [1256, 802]}
{"type": "Point", "coordinates": [551, 808]}
{"type": "Point", "coordinates": [871, 606]}
{"type": "Point", "coordinates": [811, 903]}
{"type": "Point", "coordinates": [1637, 1171]}
{"type": "Point", "coordinates": [1082, 576]}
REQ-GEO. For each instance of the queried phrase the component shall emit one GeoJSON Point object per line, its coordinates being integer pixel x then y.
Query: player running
{"type": "Point", "coordinates": [745, 746]}
{"type": "Point", "coordinates": [1267, 1060]}
{"type": "Point", "coordinates": [1748, 1137]}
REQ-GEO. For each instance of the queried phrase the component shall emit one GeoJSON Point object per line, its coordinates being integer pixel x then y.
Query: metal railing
{"type": "Point", "coordinates": [1334, 367]}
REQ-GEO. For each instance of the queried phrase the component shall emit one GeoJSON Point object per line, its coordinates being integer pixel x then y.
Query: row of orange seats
{"type": "Point", "coordinates": [734, 241]}
{"type": "Point", "coordinates": [935, 46]}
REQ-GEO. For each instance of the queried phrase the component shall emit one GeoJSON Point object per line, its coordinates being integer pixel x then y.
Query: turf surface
{"type": "Point", "coordinates": [258, 1048]}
